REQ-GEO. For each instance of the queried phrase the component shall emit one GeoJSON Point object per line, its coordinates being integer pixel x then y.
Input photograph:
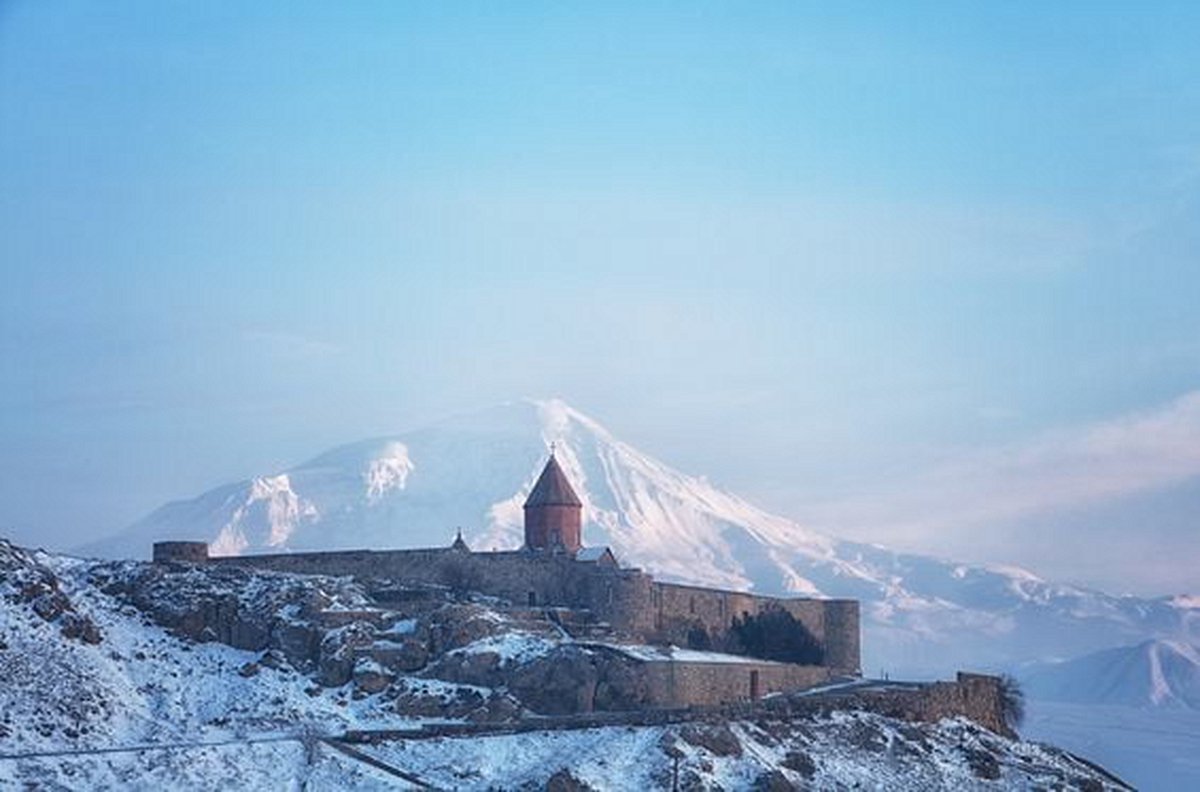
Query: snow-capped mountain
{"type": "Point", "coordinates": [922, 615]}
{"type": "Point", "coordinates": [1155, 673]}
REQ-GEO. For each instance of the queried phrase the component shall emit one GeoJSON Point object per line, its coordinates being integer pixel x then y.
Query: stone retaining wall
{"type": "Point", "coordinates": [679, 683]}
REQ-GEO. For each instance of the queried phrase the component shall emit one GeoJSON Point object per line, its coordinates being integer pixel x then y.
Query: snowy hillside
{"type": "Point", "coordinates": [922, 615]}
{"type": "Point", "coordinates": [1151, 674]}
{"type": "Point", "coordinates": [107, 687]}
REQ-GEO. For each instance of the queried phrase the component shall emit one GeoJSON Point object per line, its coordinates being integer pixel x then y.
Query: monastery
{"type": "Point", "coordinates": [700, 645]}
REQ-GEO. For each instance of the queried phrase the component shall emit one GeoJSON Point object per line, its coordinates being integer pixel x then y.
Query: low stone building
{"type": "Point", "coordinates": [769, 644]}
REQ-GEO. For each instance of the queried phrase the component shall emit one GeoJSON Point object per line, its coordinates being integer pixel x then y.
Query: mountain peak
{"type": "Point", "coordinates": [1154, 673]}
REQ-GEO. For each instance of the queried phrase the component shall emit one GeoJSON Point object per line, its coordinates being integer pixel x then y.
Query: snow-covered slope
{"type": "Point", "coordinates": [1156, 673]}
{"type": "Point", "coordinates": [98, 694]}
{"type": "Point", "coordinates": [922, 615]}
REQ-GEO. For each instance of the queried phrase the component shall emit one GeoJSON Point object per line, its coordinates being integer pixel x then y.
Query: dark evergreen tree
{"type": "Point", "coordinates": [1012, 702]}
{"type": "Point", "coordinates": [774, 634]}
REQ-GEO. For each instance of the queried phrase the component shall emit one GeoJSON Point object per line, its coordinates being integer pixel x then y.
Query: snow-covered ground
{"type": "Point", "coordinates": [660, 654]}
{"type": "Point", "coordinates": [142, 685]}
{"type": "Point", "coordinates": [279, 765]}
{"type": "Point", "coordinates": [96, 695]}
{"type": "Point", "coordinates": [842, 751]}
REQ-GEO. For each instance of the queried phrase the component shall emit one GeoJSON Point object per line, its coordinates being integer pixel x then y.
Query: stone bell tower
{"type": "Point", "coordinates": [553, 512]}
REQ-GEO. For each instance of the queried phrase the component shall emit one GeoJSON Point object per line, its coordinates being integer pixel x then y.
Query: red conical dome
{"type": "Point", "coordinates": [553, 512]}
{"type": "Point", "coordinates": [552, 488]}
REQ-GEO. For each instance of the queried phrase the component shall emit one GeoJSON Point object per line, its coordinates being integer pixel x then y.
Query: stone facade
{"type": "Point", "coordinates": [977, 697]}
{"type": "Point", "coordinates": [681, 683]}
{"type": "Point", "coordinates": [678, 611]}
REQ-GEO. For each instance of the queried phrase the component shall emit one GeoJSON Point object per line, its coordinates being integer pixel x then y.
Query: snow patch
{"type": "Point", "coordinates": [388, 471]}
{"type": "Point", "coordinates": [512, 647]}
{"type": "Point", "coordinates": [667, 654]}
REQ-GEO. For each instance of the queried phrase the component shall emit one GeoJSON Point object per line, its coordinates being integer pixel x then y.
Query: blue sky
{"type": "Point", "coordinates": [860, 263]}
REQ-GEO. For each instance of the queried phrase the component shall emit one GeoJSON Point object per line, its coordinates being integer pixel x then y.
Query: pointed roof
{"type": "Point", "coordinates": [459, 544]}
{"type": "Point", "coordinates": [552, 488]}
{"type": "Point", "coordinates": [600, 555]}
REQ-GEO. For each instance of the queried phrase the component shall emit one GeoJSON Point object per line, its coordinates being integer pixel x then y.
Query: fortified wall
{"type": "Point", "coordinates": [628, 599]}
{"type": "Point", "coordinates": [554, 571]}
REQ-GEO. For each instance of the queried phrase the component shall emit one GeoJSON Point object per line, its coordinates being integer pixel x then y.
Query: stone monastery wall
{"type": "Point", "coordinates": [688, 684]}
{"type": "Point", "coordinates": [679, 609]}
{"type": "Point", "coordinates": [628, 599]}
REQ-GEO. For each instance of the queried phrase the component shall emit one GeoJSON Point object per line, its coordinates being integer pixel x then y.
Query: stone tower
{"type": "Point", "coordinates": [553, 512]}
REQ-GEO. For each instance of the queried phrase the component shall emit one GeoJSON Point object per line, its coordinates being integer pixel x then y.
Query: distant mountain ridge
{"type": "Point", "coordinates": [922, 615]}
{"type": "Point", "coordinates": [1155, 673]}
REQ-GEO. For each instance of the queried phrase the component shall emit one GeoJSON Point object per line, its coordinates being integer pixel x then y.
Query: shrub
{"type": "Point", "coordinates": [1012, 702]}
{"type": "Point", "coordinates": [774, 634]}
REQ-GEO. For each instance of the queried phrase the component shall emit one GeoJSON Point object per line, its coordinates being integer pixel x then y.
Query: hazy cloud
{"type": "Point", "coordinates": [1059, 471]}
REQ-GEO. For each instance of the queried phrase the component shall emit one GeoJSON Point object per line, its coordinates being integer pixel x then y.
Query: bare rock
{"type": "Point", "coordinates": [800, 762]}
{"type": "Point", "coordinates": [498, 708]}
{"type": "Point", "coordinates": [28, 581]}
{"type": "Point", "coordinates": [413, 655]}
{"type": "Point", "coordinates": [472, 668]}
{"type": "Point", "coordinates": [717, 739]}
{"type": "Point", "coordinates": [773, 781]}
{"type": "Point", "coordinates": [620, 686]}
{"type": "Point", "coordinates": [669, 744]}
{"type": "Point", "coordinates": [370, 677]}
{"type": "Point", "coordinates": [418, 699]}
{"type": "Point", "coordinates": [456, 625]}
{"type": "Point", "coordinates": [982, 763]}
{"type": "Point", "coordinates": [560, 683]}
{"type": "Point", "coordinates": [272, 658]}
{"type": "Point", "coordinates": [338, 656]}
{"type": "Point", "coordinates": [565, 781]}
{"type": "Point", "coordinates": [299, 642]}
{"type": "Point", "coordinates": [81, 628]}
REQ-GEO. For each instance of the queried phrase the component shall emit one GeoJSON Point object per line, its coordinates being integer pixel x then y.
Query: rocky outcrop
{"type": "Point", "coordinates": [246, 610]}
{"type": "Point", "coordinates": [565, 781]}
{"type": "Point", "coordinates": [566, 679]}
{"type": "Point", "coordinates": [338, 654]}
{"type": "Point", "coordinates": [459, 624]}
{"type": "Point", "coordinates": [717, 739]}
{"type": "Point", "coordinates": [560, 683]}
{"type": "Point", "coordinates": [25, 581]}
